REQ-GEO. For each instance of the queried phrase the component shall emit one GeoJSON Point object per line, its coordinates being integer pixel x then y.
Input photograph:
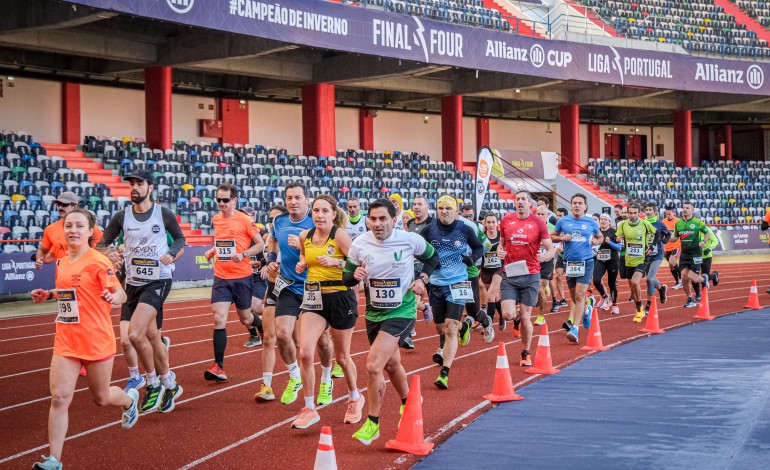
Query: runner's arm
{"type": "Point", "coordinates": [112, 231]}
{"type": "Point", "coordinates": [477, 248]}
{"type": "Point", "coordinates": [173, 228]}
{"type": "Point", "coordinates": [429, 259]}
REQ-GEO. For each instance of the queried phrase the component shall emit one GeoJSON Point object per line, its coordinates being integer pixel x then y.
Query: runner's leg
{"type": "Point", "coordinates": [63, 377]}
{"type": "Point", "coordinates": [312, 329]}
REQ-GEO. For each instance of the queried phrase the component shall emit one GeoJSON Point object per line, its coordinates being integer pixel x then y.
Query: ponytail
{"type": "Point", "coordinates": [340, 218]}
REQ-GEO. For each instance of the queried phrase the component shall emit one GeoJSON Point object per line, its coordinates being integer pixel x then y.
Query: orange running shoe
{"type": "Point", "coordinates": [215, 373]}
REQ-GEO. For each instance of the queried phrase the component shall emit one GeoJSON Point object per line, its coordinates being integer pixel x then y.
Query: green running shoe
{"type": "Point", "coordinates": [442, 382]}
{"type": "Point", "coordinates": [368, 433]}
{"type": "Point", "coordinates": [152, 396]}
{"type": "Point", "coordinates": [290, 394]}
{"type": "Point", "coordinates": [540, 320]}
{"type": "Point", "coordinates": [325, 393]}
{"type": "Point", "coordinates": [337, 372]}
{"type": "Point", "coordinates": [465, 338]}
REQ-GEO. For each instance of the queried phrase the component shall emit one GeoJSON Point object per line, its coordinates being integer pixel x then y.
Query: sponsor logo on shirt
{"type": "Point", "coordinates": [398, 256]}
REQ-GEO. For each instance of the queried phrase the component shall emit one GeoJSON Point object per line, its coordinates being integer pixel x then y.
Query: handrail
{"type": "Point", "coordinates": [535, 180]}
{"type": "Point", "coordinates": [31, 240]}
{"type": "Point", "coordinates": [613, 189]}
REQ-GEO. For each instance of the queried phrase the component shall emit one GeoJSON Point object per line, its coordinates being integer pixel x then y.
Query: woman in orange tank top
{"type": "Point", "coordinates": [86, 290]}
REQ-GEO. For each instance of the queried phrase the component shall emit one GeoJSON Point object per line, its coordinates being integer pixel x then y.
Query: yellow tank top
{"type": "Point", "coordinates": [329, 277]}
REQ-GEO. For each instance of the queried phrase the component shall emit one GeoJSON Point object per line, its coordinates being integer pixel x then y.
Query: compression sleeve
{"type": "Point", "coordinates": [112, 231]}
{"type": "Point", "coordinates": [173, 228]}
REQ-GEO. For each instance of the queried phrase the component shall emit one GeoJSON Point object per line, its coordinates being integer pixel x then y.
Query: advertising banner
{"type": "Point", "coordinates": [193, 265]}
{"type": "Point", "coordinates": [20, 276]}
{"type": "Point", "coordinates": [484, 163]}
{"type": "Point", "coordinates": [527, 162]}
{"type": "Point", "coordinates": [375, 32]}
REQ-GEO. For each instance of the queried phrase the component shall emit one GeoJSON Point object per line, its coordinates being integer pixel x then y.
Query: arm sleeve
{"type": "Point", "coordinates": [615, 245]}
{"type": "Point", "coordinates": [173, 228]}
{"type": "Point", "coordinates": [113, 229]}
{"type": "Point", "coordinates": [351, 264]}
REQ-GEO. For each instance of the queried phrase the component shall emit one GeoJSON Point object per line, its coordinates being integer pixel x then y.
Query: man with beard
{"type": "Point", "coordinates": [148, 261]}
{"type": "Point", "coordinates": [356, 222]}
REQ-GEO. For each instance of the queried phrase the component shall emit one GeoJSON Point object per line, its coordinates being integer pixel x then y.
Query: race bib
{"type": "Point", "coordinates": [517, 268]}
{"type": "Point", "coordinates": [575, 268]}
{"type": "Point", "coordinates": [491, 261]}
{"type": "Point", "coordinates": [68, 306]}
{"type": "Point", "coordinates": [462, 292]}
{"type": "Point", "coordinates": [145, 269]}
{"type": "Point", "coordinates": [697, 260]}
{"type": "Point", "coordinates": [225, 249]}
{"type": "Point", "coordinates": [385, 293]}
{"type": "Point", "coordinates": [635, 250]}
{"type": "Point", "coordinates": [280, 284]}
{"type": "Point", "coordinates": [312, 299]}
{"type": "Point", "coordinates": [604, 255]}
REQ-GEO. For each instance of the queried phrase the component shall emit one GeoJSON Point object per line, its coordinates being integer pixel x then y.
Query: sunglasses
{"type": "Point", "coordinates": [61, 206]}
{"type": "Point", "coordinates": [224, 199]}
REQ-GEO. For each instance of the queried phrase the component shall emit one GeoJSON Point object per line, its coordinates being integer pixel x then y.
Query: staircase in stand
{"type": "Point", "coordinates": [592, 188]}
{"type": "Point", "coordinates": [520, 25]}
{"type": "Point", "coordinates": [743, 19]}
{"type": "Point", "coordinates": [97, 174]}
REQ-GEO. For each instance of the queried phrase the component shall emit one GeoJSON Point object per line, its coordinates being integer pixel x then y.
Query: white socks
{"type": "Point", "coordinates": [293, 370]}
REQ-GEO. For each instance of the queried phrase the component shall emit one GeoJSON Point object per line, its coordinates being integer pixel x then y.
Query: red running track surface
{"type": "Point", "coordinates": [220, 426]}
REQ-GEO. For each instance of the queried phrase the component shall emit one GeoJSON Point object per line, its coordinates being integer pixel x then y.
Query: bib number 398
{"type": "Point", "coordinates": [312, 300]}
{"type": "Point", "coordinates": [385, 293]}
{"type": "Point", "coordinates": [68, 306]}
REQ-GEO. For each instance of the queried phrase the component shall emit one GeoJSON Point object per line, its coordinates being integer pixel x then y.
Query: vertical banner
{"type": "Point", "coordinates": [484, 164]}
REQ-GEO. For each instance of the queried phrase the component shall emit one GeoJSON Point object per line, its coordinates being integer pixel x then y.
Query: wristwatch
{"type": "Point", "coordinates": [245, 254]}
{"type": "Point", "coordinates": [424, 278]}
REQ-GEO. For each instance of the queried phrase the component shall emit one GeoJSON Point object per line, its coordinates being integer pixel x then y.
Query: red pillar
{"type": "Point", "coordinates": [70, 113]}
{"type": "Point", "coordinates": [683, 138]}
{"type": "Point", "coordinates": [157, 106]}
{"type": "Point", "coordinates": [727, 132]}
{"type": "Point", "coordinates": [365, 129]}
{"type": "Point", "coordinates": [318, 120]}
{"type": "Point", "coordinates": [569, 120]}
{"type": "Point", "coordinates": [594, 141]}
{"type": "Point", "coordinates": [452, 130]}
{"type": "Point", "coordinates": [235, 121]}
{"type": "Point", "coordinates": [482, 133]}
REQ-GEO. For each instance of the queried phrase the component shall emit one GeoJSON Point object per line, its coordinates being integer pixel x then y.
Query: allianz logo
{"type": "Point", "coordinates": [180, 6]}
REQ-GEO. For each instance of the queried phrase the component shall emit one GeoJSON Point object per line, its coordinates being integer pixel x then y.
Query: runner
{"type": "Point", "coordinates": [406, 216]}
{"type": "Point", "coordinates": [86, 290]}
{"type": "Point", "coordinates": [384, 260]}
{"type": "Point", "coordinates": [397, 202]}
{"type": "Point", "coordinates": [655, 256]}
{"type": "Point", "coordinates": [269, 339]}
{"type": "Point", "coordinates": [258, 287]}
{"type": "Point", "coordinates": [635, 234]}
{"type": "Point", "coordinates": [356, 222]}
{"type": "Point", "coordinates": [557, 286]}
{"type": "Point", "coordinates": [518, 281]}
{"type": "Point", "coordinates": [687, 230]}
{"type": "Point", "coordinates": [764, 226]}
{"type": "Point", "coordinates": [489, 266]}
{"type": "Point", "coordinates": [546, 268]}
{"type": "Point", "coordinates": [708, 257]}
{"type": "Point", "coordinates": [149, 264]}
{"type": "Point", "coordinates": [289, 289]}
{"type": "Point", "coordinates": [577, 232]}
{"type": "Point", "coordinates": [327, 303]}
{"type": "Point", "coordinates": [544, 202]}
{"type": "Point", "coordinates": [607, 261]}
{"type": "Point", "coordinates": [422, 219]}
{"type": "Point", "coordinates": [234, 233]}
{"type": "Point", "coordinates": [672, 248]}
{"type": "Point", "coordinates": [450, 289]}
{"type": "Point", "coordinates": [618, 214]}
{"type": "Point", "coordinates": [473, 308]}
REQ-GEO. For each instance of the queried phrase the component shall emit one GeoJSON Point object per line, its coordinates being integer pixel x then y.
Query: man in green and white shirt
{"type": "Point", "coordinates": [384, 259]}
{"type": "Point", "coordinates": [688, 229]}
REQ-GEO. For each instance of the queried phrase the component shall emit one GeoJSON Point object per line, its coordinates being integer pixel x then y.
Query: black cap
{"type": "Point", "coordinates": [142, 175]}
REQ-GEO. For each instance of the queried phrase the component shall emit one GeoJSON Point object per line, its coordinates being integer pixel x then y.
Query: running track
{"type": "Point", "coordinates": [220, 426]}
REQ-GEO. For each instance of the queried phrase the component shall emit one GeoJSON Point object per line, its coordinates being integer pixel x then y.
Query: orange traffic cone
{"type": "Point", "coordinates": [704, 312]}
{"type": "Point", "coordinates": [653, 325]}
{"type": "Point", "coordinates": [410, 437]}
{"type": "Point", "coordinates": [594, 342]}
{"type": "Point", "coordinates": [543, 362]}
{"type": "Point", "coordinates": [324, 456]}
{"type": "Point", "coordinates": [502, 389]}
{"type": "Point", "coordinates": [753, 297]}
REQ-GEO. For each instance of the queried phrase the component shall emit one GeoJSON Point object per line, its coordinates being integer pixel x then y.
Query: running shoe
{"type": "Point", "coordinates": [563, 303]}
{"type": "Point", "coordinates": [135, 383]}
{"type": "Point", "coordinates": [325, 393]}
{"type": "Point", "coordinates": [290, 394]}
{"type": "Point", "coordinates": [554, 307]}
{"type": "Point", "coordinates": [489, 333]}
{"type": "Point", "coordinates": [705, 283]}
{"type": "Point", "coordinates": [265, 393]}
{"type": "Point", "coordinates": [166, 341]}
{"type": "Point", "coordinates": [253, 341]}
{"type": "Point", "coordinates": [152, 396]}
{"type": "Point", "coordinates": [427, 314]}
{"type": "Point", "coordinates": [615, 310]}
{"type": "Point", "coordinates": [501, 323]}
{"type": "Point", "coordinates": [540, 320]}
{"type": "Point", "coordinates": [475, 325]}
{"type": "Point", "coordinates": [132, 413]}
{"type": "Point", "coordinates": [526, 359]}
{"type": "Point", "coordinates": [572, 334]}
{"type": "Point", "coordinates": [663, 292]}
{"type": "Point", "coordinates": [368, 433]}
{"type": "Point", "coordinates": [413, 333]}
{"type": "Point", "coordinates": [83, 372]}
{"type": "Point", "coordinates": [715, 278]}
{"type": "Point", "coordinates": [438, 357]}
{"type": "Point", "coordinates": [48, 463]}
{"type": "Point", "coordinates": [407, 343]}
{"type": "Point", "coordinates": [464, 338]}
{"type": "Point", "coordinates": [306, 418]}
{"type": "Point", "coordinates": [698, 297]}
{"type": "Point", "coordinates": [567, 325]}
{"type": "Point", "coordinates": [631, 299]}
{"type": "Point", "coordinates": [353, 411]}
{"type": "Point", "coordinates": [690, 303]}
{"type": "Point", "coordinates": [516, 328]}
{"type": "Point", "coordinates": [590, 300]}
{"type": "Point", "coordinates": [639, 316]}
{"type": "Point", "coordinates": [677, 286]}
{"type": "Point", "coordinates": [768, 290]}
{"type": "Point", "coordinates": [169, 396]}
{"type": "Point", "coordinates": [587, 316]}
{"type": "Point", "coordinates": [337, 372]}
{"type": "Point", "coordinates": [442, 382]}
{"type": "Point", "coordinates": [215, 373]}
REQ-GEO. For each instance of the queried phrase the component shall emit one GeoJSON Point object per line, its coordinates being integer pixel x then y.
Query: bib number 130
{"type": "Point", "coordinates": [385, 293]}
